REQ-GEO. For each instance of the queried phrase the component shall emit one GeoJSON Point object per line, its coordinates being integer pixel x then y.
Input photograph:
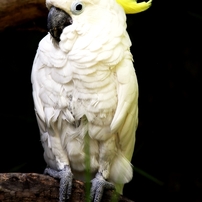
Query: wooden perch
{"type": "Point", "coordinates": [32, 187]}
{"type": "Point", "coordinates": [14, 13]}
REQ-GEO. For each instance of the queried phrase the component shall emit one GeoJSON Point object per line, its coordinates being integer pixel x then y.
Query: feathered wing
{"type": "Point", "coordinates": [125, 122]}
{"type": "Point", "coordinates": [46, 101]}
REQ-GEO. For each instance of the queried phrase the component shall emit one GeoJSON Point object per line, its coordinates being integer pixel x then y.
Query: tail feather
{"type": "Point", "coordinates": [121, 170]}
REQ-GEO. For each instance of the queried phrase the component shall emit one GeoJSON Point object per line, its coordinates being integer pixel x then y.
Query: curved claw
{"type": "Point", "coordinates": [66, 178]}
{"type": "Point", "coordinates": [98, 186]}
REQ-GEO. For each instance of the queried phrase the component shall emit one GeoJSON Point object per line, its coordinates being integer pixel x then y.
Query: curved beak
{"type": "Point", "coordinates": [57, 21]}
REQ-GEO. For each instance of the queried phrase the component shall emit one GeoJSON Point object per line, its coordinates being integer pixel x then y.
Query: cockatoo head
{"type": "Point", "coordinates": [63, 13]}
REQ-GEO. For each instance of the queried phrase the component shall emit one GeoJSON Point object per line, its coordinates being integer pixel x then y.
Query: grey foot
{"type": "Point", "coordinates": [66, 178]}
{"type": "Point", "coordinates": [98, 186]}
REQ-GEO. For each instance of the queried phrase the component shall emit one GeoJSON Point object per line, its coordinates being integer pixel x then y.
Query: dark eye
{"type": "Point", "coordinates": [77, 7]}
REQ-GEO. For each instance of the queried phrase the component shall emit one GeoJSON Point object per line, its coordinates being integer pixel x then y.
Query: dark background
{"type": "Point", "coordinates": [167, 50]}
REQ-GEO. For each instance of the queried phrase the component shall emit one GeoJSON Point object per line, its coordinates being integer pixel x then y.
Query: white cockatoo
{"type": "Point", "coordinates": [85, 93]}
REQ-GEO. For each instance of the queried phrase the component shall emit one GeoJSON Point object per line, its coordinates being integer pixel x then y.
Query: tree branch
{"type": "Point", "coordinates": [14, 13]}
{"type": "Point", "coordinates": [33, 187]}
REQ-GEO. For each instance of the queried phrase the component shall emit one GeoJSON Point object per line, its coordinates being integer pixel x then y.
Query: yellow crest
{"type": "Point", "coordinates": [132, 7]}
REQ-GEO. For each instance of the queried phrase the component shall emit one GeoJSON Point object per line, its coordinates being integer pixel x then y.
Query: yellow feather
{"type": "Point", "coordinates": [132, 7]}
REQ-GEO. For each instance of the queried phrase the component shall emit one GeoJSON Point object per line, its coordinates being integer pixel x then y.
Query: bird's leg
{"type": "Point", "coordinates": [98, 186]}
{"type": "Point", "coordinates": [52, 147]}
{"type": "Point", "coordinates": [66, 177]}
{"type": "Point", "coordinates": [107, 151]}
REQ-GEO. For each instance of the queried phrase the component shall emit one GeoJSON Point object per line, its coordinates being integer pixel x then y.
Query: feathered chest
{"type": "Point", "coordinates": [80, 91]}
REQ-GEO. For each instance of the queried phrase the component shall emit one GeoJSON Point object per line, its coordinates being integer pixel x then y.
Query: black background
{"type": "Point", "coordinates": [167, 50]}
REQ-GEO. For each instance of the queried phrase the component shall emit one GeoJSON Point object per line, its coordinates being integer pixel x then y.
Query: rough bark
{"type": "Point", "coordinates": [33, 187]}
{"type": "Point", "coordinates": [14, 13]}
